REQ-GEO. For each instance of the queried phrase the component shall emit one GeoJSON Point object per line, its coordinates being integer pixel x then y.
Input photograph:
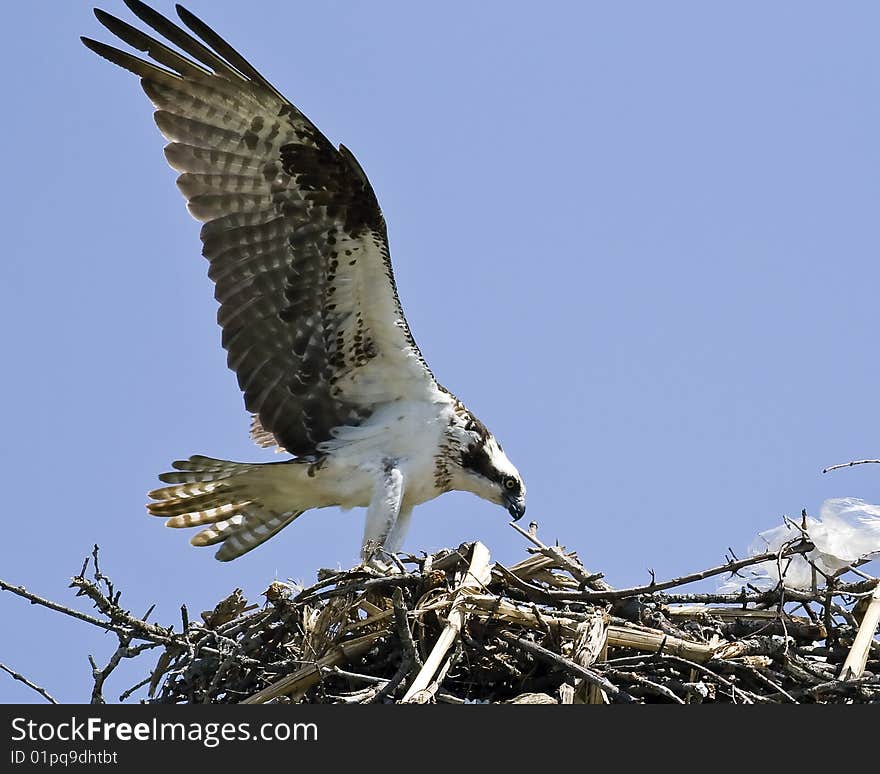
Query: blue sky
{"type": "Point", "coordinates": [639, 240]}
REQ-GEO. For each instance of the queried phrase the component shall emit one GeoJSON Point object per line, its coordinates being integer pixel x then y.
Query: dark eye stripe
{"type": "Point", "coordinates": [476, 458]}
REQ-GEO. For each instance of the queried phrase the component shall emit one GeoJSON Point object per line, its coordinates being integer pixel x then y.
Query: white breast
{"type": "Point", "coordinates": [405, 433]}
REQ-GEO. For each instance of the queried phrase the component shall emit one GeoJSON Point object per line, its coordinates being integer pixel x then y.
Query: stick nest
{"type": "Point", "coordinates": [455, 627]}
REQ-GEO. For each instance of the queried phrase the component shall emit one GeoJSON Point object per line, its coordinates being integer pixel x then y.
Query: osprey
{"type": "Point", "coordinates": [311, 319]}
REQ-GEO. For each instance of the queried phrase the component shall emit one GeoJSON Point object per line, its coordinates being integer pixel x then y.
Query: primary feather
{"type": "Point", "coordinates": [310, 316]}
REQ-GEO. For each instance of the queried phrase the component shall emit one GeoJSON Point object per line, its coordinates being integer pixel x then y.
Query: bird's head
{"type": "Point", "coordinates": [486, 471]}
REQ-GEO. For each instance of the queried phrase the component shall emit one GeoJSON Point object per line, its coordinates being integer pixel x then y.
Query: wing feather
{"type": "Point", "coordinates": [219, 45]}
{"type": "Point", "coordinates": [182, 39]}
{"type": "Point", "coordinates": [190, 158]}
{"type": "Point", "coordinates": [295, 239]}
{"type": "Point", "coordinates": [149, 45]}
{"type": "Point", "coordinates": [125, 60]}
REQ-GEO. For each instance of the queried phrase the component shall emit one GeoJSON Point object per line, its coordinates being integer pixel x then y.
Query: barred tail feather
{"type": "Point", "coordinates": [255, 528]}
{"type": "Point", "coordinates": [216, 493]}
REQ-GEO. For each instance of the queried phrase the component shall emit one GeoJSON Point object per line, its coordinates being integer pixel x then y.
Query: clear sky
{"type": "Point", "coordinates": [639, 240]}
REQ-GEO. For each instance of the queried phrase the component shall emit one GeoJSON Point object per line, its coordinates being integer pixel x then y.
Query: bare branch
{"type": "Point", "coordinates": [35, 599]}
{"type": "Point", "coordinates": [593, 678]}
{"type": "Point", "coordinates": [850, 464]}
{"type": "Point", "coordinates": [33, 686]}
{"type": "Point", "coordinates": [612, 594]}
{"type": "Point", "coordinates": [499, 635]}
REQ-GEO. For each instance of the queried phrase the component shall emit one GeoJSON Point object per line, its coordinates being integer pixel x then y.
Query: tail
{"type": "Point", "coordinates": [229, 496]}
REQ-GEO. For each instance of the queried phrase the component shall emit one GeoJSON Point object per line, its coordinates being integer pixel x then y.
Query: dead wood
{"type": "Point", "coordinates": [456, 628]}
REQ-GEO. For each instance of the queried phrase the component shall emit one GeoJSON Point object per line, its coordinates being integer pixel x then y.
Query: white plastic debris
{"type": "Point", "coordinates": [847, 530]}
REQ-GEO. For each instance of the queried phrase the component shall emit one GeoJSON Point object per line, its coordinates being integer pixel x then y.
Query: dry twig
{"type": "Point", "coordinates": [458, 629]}
{"type": "Point", "coordinates": [33, 686]}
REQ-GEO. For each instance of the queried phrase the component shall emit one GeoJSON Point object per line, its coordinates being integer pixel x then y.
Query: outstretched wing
{"type": "Point", "coordinates": [296, 241]}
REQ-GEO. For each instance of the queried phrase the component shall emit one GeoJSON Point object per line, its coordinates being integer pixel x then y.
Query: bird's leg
{"type": "Point", "coordinates": [394, 541]}
{"type": "Point", "coordinates": [384, 558]}
{"type": "Point", "coordinates": [382, 514]}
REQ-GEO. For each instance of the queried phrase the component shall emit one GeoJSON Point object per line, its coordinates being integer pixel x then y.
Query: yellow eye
{"type": "Point", "coordinates": [510, 482]}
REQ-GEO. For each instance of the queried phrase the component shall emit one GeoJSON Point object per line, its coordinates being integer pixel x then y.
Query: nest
{"type": "Point", "coordinates": [454, 627]}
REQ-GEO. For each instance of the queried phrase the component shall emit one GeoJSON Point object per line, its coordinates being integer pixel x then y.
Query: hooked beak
{"type": "Point", "coordinates": [515, 507]}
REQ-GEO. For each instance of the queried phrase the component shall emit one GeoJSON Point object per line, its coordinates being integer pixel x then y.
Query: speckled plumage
{"type": "Point", "coordinates": [310, 316]}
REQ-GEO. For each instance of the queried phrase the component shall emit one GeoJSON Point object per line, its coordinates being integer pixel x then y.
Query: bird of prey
{"type": "Point", "coordinates": [311, 320]}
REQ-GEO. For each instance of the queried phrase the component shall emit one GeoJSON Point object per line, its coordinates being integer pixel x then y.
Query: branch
{"type": "Point", "coordinates": [477, 576]}
{"type": "Point", "coordinates": [593, 580]}
{"type": "Point", "coordinates": [854, 666]}
{"type": "Point", "coordinates": [408, 646]}
{"type": "Point", "coordinates": [592, 596]}
{"type": "Point", "coordinates": [22, 679]}
{"type": "Point", "coordinates": [34, 599]}
{"type": "Point", "coordinates": [593, 678]}
{"type": "Point", "coordinates": [119, 616]}
{"type": "Point", "coordinates": [850, 464]}
{"type": "Point", "coordinates": [101, 674]}
{"type": "Point", "coordinates": [482, 626]}
{"type": "Point", "coordinates": [373, 584]}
